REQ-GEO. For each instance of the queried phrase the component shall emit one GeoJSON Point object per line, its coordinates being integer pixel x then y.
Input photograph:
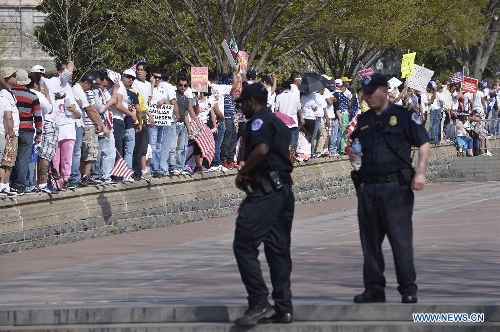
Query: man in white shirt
{"type": "Point", "coordinates": [161, 137]}
{"type": "Point", "coordinates": [6, 132]}
{"type": "Point", "coordinates": [289, 104]}
{"type": "Point", "coordinates": [296, 80]}
{"type": "Point", "coordinates": [8, 79]}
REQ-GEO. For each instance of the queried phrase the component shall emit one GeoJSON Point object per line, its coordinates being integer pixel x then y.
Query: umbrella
{"type": "Point", "coordinates": [288, 120]}
{"type": "Point", "coordinates": [312, 82]}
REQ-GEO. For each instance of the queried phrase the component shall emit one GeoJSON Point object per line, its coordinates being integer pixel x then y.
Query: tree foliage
{"type": "Point", "coordinates": [325, 36]}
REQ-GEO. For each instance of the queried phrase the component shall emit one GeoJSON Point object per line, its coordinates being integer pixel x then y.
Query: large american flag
{"type": "Point", "coordinates": [121, 169]}
{"type": "Point", "coordinates": [457, 77]}
{"type": "Point", "coordinates": [204, 138]}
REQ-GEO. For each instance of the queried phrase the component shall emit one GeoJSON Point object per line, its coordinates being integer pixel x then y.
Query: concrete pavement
{"type": "Point", "coordinates": [456, 238]}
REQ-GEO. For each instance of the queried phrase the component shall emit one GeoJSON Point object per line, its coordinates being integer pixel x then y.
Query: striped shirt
{"type": "Point", "coordinates": [30, 112]}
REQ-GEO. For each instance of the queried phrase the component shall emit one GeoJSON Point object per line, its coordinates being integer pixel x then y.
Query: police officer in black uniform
{"type": "Point", "coordinates": [266, 214]}
{"type": "Point", "coordinates": [384, 185]}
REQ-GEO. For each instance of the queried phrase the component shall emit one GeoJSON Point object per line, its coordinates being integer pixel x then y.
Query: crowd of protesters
{"type": "Point", "coordinates": [81, 131]}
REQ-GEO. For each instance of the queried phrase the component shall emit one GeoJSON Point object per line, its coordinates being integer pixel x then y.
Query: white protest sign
{"type": "Point", "coordinates": [420, 78]}
{"type": "Point", "coordinates": [163, 115]}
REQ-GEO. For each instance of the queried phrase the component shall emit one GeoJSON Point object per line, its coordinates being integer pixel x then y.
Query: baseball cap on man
{"type": "Point", "coordinates": [129, 72]}
{"type": "Point", "coordinates": [90, 78]}
{"type": "Point", "coordinates": [37, 69]}
{"type": "Point", "coordinates": [256, 90]}
{"type": "Point", "coordinates": [22, 77]}
{"type": "Point", "coordinates": [339, 82]}
{"type": "Point", "coordinates": [373, 82]}
{"type": "Point", "coordinates": [7, 71]}
{"type": "Point", "coordinates": [345, 79]}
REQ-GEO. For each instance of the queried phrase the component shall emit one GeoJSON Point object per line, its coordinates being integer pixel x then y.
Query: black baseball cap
{"type": "Point", "coordinates": [373, 82]}
{"type": "Point", "coordinates": [255, 90]}
{"type": "Point", "coordinates": [90, 78]}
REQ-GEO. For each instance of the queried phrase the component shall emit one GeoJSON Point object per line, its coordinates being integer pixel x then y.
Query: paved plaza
{"type": "Point", "coordinates": [456, 237]}
{"type": "Point", "coordinates": [185, 277]}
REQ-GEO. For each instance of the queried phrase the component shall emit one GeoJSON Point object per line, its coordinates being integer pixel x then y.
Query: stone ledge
{"type": "Point", "coordinates": [33, 221]}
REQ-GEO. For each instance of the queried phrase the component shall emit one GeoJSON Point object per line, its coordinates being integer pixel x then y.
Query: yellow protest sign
{"type": "Point", "coordinates": [407, 64]}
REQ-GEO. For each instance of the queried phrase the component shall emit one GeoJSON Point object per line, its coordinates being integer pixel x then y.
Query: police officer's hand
{"type": "Point", "coordinates": [353, 155]}
{"type": "Point", "coordinates": [418, 181]}
{"type": "Point", "coordinates": [240, 177]}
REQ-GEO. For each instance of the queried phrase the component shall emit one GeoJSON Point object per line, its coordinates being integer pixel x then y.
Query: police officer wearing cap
{"type": "Point", "coordinates": [384, 185]}
{"type": "Point", "coordinates": [266, 214]}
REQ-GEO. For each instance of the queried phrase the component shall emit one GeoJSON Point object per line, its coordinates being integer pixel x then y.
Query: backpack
{"type": "Point", "coordinates": [54, 179]}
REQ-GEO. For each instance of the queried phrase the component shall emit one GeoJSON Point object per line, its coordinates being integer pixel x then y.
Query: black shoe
{"type": "Point", "coordinates": [409, 298]}
{"type": "Point", "coordinates": [254, 314]}
{"type": "Point", "coordinates": [369, 297]}
{"type": "Point", "coordinates": [278, 319]}
{"type": "Point", "coordinates": [16, 192]}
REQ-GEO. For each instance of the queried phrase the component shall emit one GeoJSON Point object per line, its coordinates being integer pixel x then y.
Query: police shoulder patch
{"type": "Point", "coordinates": [257, 124]}
{"type": "Point", "coordinates": [415, 118]}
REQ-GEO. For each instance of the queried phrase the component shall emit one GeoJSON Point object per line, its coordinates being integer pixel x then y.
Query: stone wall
{"type": "Point", "coordinates": [33, 221]}
{"type": "Point", "coordinates": [18, 45]}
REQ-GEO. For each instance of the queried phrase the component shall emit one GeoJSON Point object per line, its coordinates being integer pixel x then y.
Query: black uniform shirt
{"type": "Point", "coordinates": [401, 127]}
{"type": "Point", "coordinates": [265, 127]}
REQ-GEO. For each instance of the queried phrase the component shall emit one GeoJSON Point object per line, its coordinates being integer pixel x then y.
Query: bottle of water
{"type": "Point", "coordinates": [356, 148]}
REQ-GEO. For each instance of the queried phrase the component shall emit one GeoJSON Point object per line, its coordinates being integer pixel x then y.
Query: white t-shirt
{"type": "Point", "coordinates": [288, 103]}
{"type": "Point", "coordinates": [4, 106]}
{"type": "Point", "coordinates": [329, 107]}
{"type": "Point", "coordinates": [169, 90]}
{"type": "Point", "coordinates": [424, 99]}
{"type": "Point", "coordinates": [204, 108]}
{"type": "Point", "coordinates": [218, 92]}
{"type": "Point", "coordinates": [309, 104]}
{"type": "Point", "coordinates": [144, 88]}
{"type": "Point", "coordinates": [161, 93]}
{"type": "Point", "coordinates": [45, 106]}
{"type": "Point", "coordinates": [454, 101]}
{"type": "Point", "coordinates": [116, 113]}
{"type": "Point", "coordinates": [271, 98]}
{"type": "Point", "coordinates": [13, 107]}
{"type": "Point", "coordinates": [477, 104]}
{"type": "Point", "coordinates": [295, 90]}
{"type": "Point", "coordinates": [467, 96]}
{"type": "Point", "coordinates": [321, 102]}
{"type": "Point", "coordinates": [80, 97]}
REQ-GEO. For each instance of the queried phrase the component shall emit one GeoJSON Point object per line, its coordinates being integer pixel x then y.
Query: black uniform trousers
{"type": "Point", "coordinates": [266, 218]}
{"type": "Point", "coordinates": [386, 209]}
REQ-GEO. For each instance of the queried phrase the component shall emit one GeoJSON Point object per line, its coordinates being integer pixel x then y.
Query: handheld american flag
{"type": "Point", "coordinates": [121, 169]}
{"type": "Point", "coordinates": [204, 138]}
{"type": "Point", "coordinates": [457, 77]}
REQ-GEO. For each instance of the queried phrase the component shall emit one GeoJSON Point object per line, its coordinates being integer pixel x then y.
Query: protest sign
{"type": "Point", "coordinates": [420, 78]}
{"type": "Point", "coordinates": [229, 55]}
{"type": "Point", "coordinates": [365, 72]}
{"type": "Point", "coordinates": [243, 58]}
{"type": "Point", "coordinates": [199, 79]}
{"type": "Point", "coordinates": [407, 64]}
{"type": "Point", "coordinates": [469, 85]}
{"type": "Point", "coordinates": [163, 115]}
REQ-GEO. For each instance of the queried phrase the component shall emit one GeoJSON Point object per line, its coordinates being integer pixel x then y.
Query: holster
{"type": "Point", "coordinates": [406, 175]}
{"type": "Point", "coordinates": [356, 178]}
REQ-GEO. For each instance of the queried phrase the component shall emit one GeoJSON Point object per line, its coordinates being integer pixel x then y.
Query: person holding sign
{"type": "Point", "coordinates": [162, 135]}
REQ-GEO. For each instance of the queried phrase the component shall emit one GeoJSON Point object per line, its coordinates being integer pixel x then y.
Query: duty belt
{"type": "Point", "coordinates": [393, 177]}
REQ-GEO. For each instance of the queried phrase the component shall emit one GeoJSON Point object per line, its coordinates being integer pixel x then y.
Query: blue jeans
{"type": "Point", "coordinates": [167, 144]}
{"type": "Point", "coordinates": [221, 130]}
{"type": "Point", "coordinates": [128, 146]}
{"type": "Point", "coordinates": [20, 169]}
{"type": "Point", "coordinates": [105, 157]}
{"type": "Point", "coordinates": [315, 135]}
{"type": "Point", "coordinates": [77, 155]}
{"type": "Point", "coordinates": [495, 123]}
{"type": "Point", "coordinates": [446, 129]}
{"type": "Point", "coordinates": [155, 139]}
{"type": "Point", "coordinates": [178, 151]}
{"type": "Point", "coordinates": [333, 143]}
{"type": "Point", "coordinates": [294, 137]}
{"type": "Point", "coordinates": [435, 122]}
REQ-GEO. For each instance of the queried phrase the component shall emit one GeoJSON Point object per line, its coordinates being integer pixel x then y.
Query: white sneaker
{"type": "Point", "coordinates": [488, 154]}
{"type": "Point", "coordinates": [129, 180]}
{"type": "Point", "coordinates": [299, 159]}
